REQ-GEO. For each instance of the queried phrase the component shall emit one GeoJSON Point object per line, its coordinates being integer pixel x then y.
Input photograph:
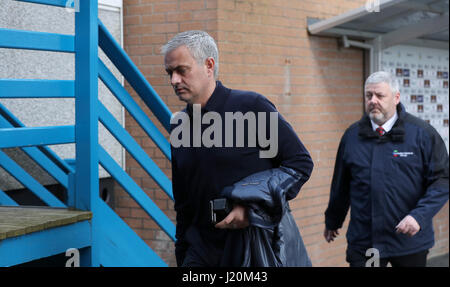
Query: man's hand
{"type": "Point", "coordinates": [237, 219]}
{"type": "Point", "coordinates": [408, 226]}
{"type": "Point", "coordinates": [330, 235]}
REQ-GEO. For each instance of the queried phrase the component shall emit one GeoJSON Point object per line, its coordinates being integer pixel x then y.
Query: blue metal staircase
{"type": "Point", "coordinates": [105, 239]}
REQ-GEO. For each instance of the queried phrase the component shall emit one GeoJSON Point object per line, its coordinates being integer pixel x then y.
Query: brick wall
{"type": "Point", "coordinates": [440, 223]}
{"type": "Point", "coordinates": [263, 47]}
{"type": "Point", "coordinates": [317, 87]}
{"type": "Point", "coordinates": [148, 24]}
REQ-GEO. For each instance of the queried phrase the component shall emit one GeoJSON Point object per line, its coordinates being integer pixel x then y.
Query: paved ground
{"type": "Point", "coordinates": [438, 261]}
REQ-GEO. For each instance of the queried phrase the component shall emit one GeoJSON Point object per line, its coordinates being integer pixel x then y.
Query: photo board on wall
{"type": "Point", "coordinates": [423, 76]}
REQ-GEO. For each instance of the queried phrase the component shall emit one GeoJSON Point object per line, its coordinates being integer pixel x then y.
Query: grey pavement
{"type": "Point", "coordinates": [438, 261]}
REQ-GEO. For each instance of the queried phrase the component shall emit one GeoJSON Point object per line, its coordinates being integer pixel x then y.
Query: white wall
{"type": "Point", "coordinates": [23, 64]}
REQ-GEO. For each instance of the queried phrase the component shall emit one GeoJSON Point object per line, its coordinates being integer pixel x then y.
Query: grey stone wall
{"type": "Point", "coordinates": [26, 64]}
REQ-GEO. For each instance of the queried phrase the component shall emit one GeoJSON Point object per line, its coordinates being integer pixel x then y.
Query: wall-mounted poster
{"type": "Point", "coordinates": [423, 76]}
{"type": "Point", "coordinates": [420, 108]}
{"type": "Point", "coordinates": [405, 82]}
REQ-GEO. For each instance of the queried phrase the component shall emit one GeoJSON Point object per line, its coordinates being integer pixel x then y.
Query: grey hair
{"type": "Point", "coordinates": [201, 45]}
{"type": "Point", "coordinates": [384, 77]}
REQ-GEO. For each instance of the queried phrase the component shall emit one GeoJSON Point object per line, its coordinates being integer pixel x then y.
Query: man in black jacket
{"type": "Point", "coordinates": [211, 155]}
{"type": "Point", "coordinates": [392, 170]}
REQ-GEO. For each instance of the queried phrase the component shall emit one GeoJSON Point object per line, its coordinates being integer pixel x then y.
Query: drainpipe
{"type": "Point", "coordinates": [349, 43]}
{"type": "Point", "coordinates": [371, 48]}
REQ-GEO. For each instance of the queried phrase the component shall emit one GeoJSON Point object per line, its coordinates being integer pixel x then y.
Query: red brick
{"type": "Point", "coordinates": [154, 18]}
{"type": "Point", "coordinates": [138, 10]}
{"type": "Point", "coordinates": [192, 5]}
{"type": "Point", "coordinates": [165, 28]}
{"type": "Point", "coordinates": [132, 20]}
{"type": "Point", "coordinates": [164, 7]}
{"type": "Point", "coordinates": [179, 16]}
{"type": "Point", "coordinates": [186, 26]}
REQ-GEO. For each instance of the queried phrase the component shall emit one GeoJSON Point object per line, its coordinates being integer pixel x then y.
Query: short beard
{"type": "Point", "coordinates": [378, 118]}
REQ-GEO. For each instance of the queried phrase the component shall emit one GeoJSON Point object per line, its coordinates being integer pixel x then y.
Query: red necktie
{"type": "Point", "coordinates": [380, 131]}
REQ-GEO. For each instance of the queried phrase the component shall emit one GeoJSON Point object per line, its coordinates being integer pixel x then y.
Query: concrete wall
{"type": "Point", "coordinates": [25, 64]}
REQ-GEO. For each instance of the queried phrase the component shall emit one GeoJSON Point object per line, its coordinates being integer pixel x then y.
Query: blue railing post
{"type": "Point", "coordinates": [86, 115]}
{"type": "Point", "coordinates": [111, 241]}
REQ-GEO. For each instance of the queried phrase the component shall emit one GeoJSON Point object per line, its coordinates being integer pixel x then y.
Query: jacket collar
{"type": "Point", "coordinates": [396, 134]}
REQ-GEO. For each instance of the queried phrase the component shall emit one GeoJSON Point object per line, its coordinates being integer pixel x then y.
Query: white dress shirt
{"type": "Point", "coordinates": [387, 126]}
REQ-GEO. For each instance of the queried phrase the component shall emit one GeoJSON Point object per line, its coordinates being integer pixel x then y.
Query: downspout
{"type": "Point", "coordinates": [349, 43]}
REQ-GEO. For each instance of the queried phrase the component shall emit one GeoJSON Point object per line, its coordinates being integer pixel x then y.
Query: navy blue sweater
{"type": "Point", "coordinates": [383, 179]}
{"type": "Point", "coordinates": [199, 174]}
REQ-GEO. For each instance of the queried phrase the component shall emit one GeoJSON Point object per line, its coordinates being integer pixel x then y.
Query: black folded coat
{"type": "Point", "coordinates": [272, 239]}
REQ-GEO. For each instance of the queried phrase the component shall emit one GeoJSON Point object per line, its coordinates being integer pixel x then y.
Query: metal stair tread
{"type": "Point", "coordinates": [18, 221]}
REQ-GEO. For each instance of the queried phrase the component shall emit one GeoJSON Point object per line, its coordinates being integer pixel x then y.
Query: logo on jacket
{"type": "Point", "coordinates": [397, 153]}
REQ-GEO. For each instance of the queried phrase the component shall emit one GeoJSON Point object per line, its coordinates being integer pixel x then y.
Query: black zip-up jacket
{"type": "Point", "coordinates": [384, 179]}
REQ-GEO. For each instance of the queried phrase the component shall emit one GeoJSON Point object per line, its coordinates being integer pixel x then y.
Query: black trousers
{"type": "Point", "coordinates": [359, 259]}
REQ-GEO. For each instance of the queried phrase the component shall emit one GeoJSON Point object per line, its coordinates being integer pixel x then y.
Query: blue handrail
{"type": "Point", "coordinates": [43, 160]}
{"type": "Point", "coordinates": [21, 137]}
{"type": "Point", "coordinates": [133, 108]}
{"type": "Point", "coordinates": [82, 182]}
{"type": "Point", "coordinates": [29, 182]}
{"type": "Point", "coordinates": [136, 193]}
{"type": "Point", "coordinates": [14, 88]}
{"type": "Point", "coordinates": [136, 79]}
{"type": "Point", "coordinates": [57, 3]}
{"type": "Point", "coordinates": [6, 200]}
{"type": "Point", "coordinates": [11, 121]}
{"type": "Point", "coordinates": [135, 150]}
{"type": "Point", "coordinates": [17, 39]}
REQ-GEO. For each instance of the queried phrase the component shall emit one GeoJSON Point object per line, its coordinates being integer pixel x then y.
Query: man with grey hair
{"type": "Point", "coordinates": [392, 171]}
{"type": "Point", "coordinates": [202, 173]}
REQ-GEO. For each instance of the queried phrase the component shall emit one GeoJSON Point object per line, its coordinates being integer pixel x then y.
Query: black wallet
{"type": "Point", "coordinates": [219, 209]}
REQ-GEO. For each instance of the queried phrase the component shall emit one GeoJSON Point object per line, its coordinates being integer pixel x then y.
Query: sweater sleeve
{"type": "Point", "coordinates": [182, 219]}
{"type": "Point", "coordinates": [290, 151]}
{"type": "Point", "coordinates": [436, 178]}
{"type": "Point", "coordinates": [339, 201]}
